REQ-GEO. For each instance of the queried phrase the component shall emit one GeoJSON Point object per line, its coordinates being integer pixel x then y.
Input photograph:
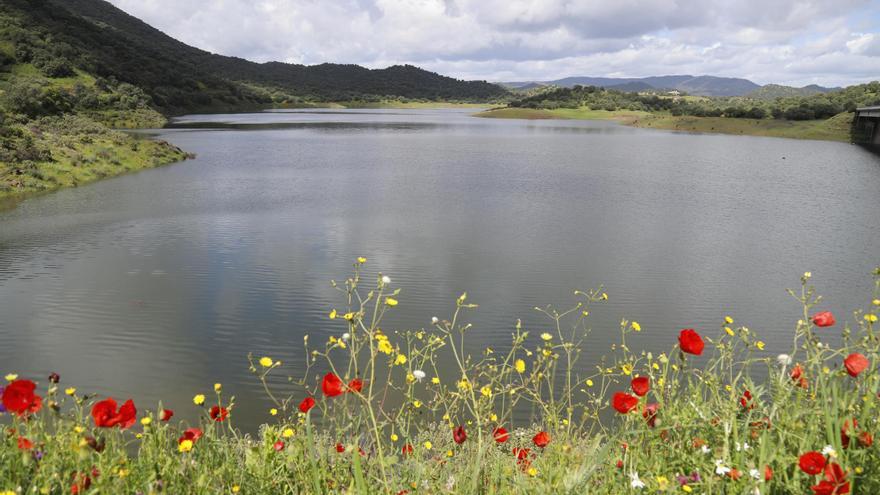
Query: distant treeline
{"type": "Point", "coordinates": [818, 106]}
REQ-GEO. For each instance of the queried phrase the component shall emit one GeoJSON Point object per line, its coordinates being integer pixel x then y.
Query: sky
{"type": "Point", "coordinates": [795, 42]}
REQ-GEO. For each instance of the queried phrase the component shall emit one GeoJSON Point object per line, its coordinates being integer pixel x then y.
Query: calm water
{"type": "Point", "coordinates": [156, 285]}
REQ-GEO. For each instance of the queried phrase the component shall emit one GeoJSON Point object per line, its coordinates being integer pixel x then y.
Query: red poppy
{"type": "Point", "coordinates": [166, 414]}
{"type": "Point", "coordinates": [619, 464]}
{"type": "Point", "coordinates": [459, 435]}
{"type": "Point", "coordinates": [650, 414]}
{"type": "Point", "coordinates": [81, 483]}
{"type": "Point", "coordinates": [541, 439]}
{"type": "Point", "coordinates": [306, 405]}
{"type": "Point", "coordinates": [844, 431]}
{"type": "Point", "coordinates": [812, 462]}
{"type": "Point", "coordinates": [866, 439]}
{"type": "Point", "coordinates": [356, 385]}
{"type": "Point", "coordinates": [690, 342]}
{"type": "Point", "coordinates": [835, 482]}
{"type": "Point", "coordinates": [218, 413]}
{"type": "Point", "coordinates": [734, 474]}
{"type": "Point", "coordinates": [340, 448]}
{"type": "Point", "coordinates": [521, 454]}
{"type": "Point", "coordinates": [407, 449]}
{"type": "Point", "coordinates": [332, 385]}
{"type": "Point", "coordinates": [19, 397]}
{"type": "Point", "coordinates": [641, 385]}
{"type": "Point", "coordinates": [25, 444]}
{"type": "Point", "coordinates": [855, 363]}
{"type": "Point", "coordinates": [278, 446]}
{"type": "Point", "coordinates": [823, 319]}
{"type": "Point", "coordinates": [191, 434]}
{"type": "Point", "coordinates": [105, 415]}
{"type": "Point", "coordinates": [624, 403]}
{"type": "Point", "coordinates": [746, 400]}
{"type": "Point", "coordinates": [797, 375]}
{"type": "Point", "coordinates": [768, 473]}
{"type": "Point", "coordinates": [500, 434]}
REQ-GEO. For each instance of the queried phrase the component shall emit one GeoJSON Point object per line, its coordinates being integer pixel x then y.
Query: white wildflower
{"type": "Point", "coordinates": [705, 450]}
{"type": "Point", "coordinates": [346, 336]}
{"type": "Point", "coordinates": [754, 473]}
{"type": "Point", "coordinates": [419, 375]}
{"type": "Point", "coordinates": [720, 468]}
{"type": "Point", "coordinates": [829, 451]}
{"type": "Point", "coordinates": [743, 446]}
{"type": "Point", "coordinates": [435, 320]}
{"type": "Point", "coordinates": [635, 482]}
{"type": "Point", "coordinates": [386, 280]}
{"type": "Point", "coordinates": [783, 359]}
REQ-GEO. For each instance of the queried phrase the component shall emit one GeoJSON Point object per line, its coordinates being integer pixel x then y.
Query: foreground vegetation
{"type": "Point", "coordinates": [718, 411]}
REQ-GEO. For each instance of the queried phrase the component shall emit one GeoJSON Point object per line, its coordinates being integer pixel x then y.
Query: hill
{"type": "Point", "coordinates": [102, 40]}
{"type": "Point", "coordinates": [695, 85]}
{"type": "Point", "coordinates": [773, 91]}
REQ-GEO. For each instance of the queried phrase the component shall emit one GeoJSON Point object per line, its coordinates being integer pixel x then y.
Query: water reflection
{"type": "Point", "coordinates": [157, 284]}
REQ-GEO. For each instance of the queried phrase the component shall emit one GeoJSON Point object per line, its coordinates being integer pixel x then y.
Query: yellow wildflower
{"type": "Point", "coordinates": [428, 445]}
{"type": "Point", "coordinates": [486, 391]}
{"type": "Point", "coordinates": [287, 433]}
{"type": "Point", "coordinates": [400, 359]}
{"type": "Point", "coordinates": [362, 260]}
{"type": "Point", "coordinates": [185, 446]}
{"type": "Point", "coordinates": [391, 301]}
{"type": "Point", "coordinates": [449, 453]}
{"type": "Point", "coordinates": [661, 381]}
{"type": "Point", "coordinates": [435, 380]}
{"type": "Point", "coordinates": [655, 366]}
{"type": "Point", "coordinates": [876, 302]}
{"type": "Point", "coordinates": [493, 417]}
{"type": "Point", "coordinates": [728, 320]}
{"type": "Point", "coordinates": [464, 384]}
{"type": "Point", "coordinates": [70, 391]}
{"type": "Point", "coordinates": [872, 318]}
{"type": "Point", "coordinates": [546, 337]}
{"type": "Point", "coordinates": [146, 420]}
{"type": "Point", "coordinates": [627, 369]}
{"type": "Point", "coordinates": [218, 387]}
{"type": "Point", "coordinates": [11, 377]}
{"type": "Point", "coordinates": [122, 472]}
{"type": "Point", "coordinates": [604, 296]}
{"type": "Point", "coordinates": [687, 489]}
{"type": "Point", "coordinates": [348, 316]}
{"type": "Point", "coordinates": [520, 366]}
{"type": "Point", "coordinates": [729, 331]}
{"type": "Point", "coordinates": [265, 361]}
{"type": "Point", "coordinates": [589, 382]}
{"type": "Point", "coordinates": [533, 472]}
{"type": "Point", "coordinates": [760, 344]}
{"type": "Point", "coordinates": [635, 326]}
{"type": "Point", "coordinates": [332, 314]}
{"type": "Point", "coordinates": [394, 437]}
{"type": "Point", "coordinates": [417, 404]}
{"type": "Point", "coordinates": [236, 488]}
{"type": "Point", "coordinates": [273, 412]}
{"type": "Point", "coordinates": [78, 429]}
{"type": "Point", "coordinates": [385, 347]}
{"type": "Point", "coordinates": [199, 399]}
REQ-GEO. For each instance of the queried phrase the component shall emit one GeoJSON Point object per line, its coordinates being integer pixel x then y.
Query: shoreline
{"type": "Point", "coordinates": [833, 129]}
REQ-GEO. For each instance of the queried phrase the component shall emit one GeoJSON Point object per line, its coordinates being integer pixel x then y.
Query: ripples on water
{"type": "Point", "coordinates": [157, 284]}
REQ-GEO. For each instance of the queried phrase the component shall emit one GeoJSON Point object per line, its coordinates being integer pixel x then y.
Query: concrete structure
{"type": "Point", "coordinates": [866, 125]}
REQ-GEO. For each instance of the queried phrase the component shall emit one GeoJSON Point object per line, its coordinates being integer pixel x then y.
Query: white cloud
{"type": "Point", "coordinates": [832, 42]}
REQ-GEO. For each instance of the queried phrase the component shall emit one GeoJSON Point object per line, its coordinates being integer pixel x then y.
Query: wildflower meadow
{"type": "Point", "coordinates": [716, 412]}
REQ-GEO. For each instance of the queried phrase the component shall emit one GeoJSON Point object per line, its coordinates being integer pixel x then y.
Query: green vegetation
{"type": "Point", "coordinates": [817, 115]}
{"type": "Point", "coordinates": [720, 411]}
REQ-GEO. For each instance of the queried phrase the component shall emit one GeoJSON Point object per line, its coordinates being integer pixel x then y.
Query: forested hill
{"type": "Point", "coordinates": [95, 37]}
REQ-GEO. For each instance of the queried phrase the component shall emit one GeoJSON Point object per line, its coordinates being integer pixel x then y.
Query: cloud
{"type": "Point", "coordinates": [833, 42]}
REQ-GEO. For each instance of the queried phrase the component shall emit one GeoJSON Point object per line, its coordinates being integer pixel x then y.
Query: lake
{"type": "Point", "coordinates": [156, 285]}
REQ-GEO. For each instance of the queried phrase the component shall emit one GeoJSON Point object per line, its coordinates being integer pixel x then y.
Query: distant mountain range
{"type": "Point", "coordinates": [694, 85]}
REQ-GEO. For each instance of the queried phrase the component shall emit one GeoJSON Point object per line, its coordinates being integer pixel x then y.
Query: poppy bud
{"type": "Point", "coordinates": [54, 377]}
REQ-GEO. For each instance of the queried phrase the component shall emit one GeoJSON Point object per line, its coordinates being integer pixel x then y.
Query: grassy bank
{"type": "Point", "coordinates": [716, 411]}
{"type": "Point", "coordinates": [836, 128]}
{"type": "Point", "coordinates": [562, 113]}
{"type": "Point", "coordinates": [68, 151]}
